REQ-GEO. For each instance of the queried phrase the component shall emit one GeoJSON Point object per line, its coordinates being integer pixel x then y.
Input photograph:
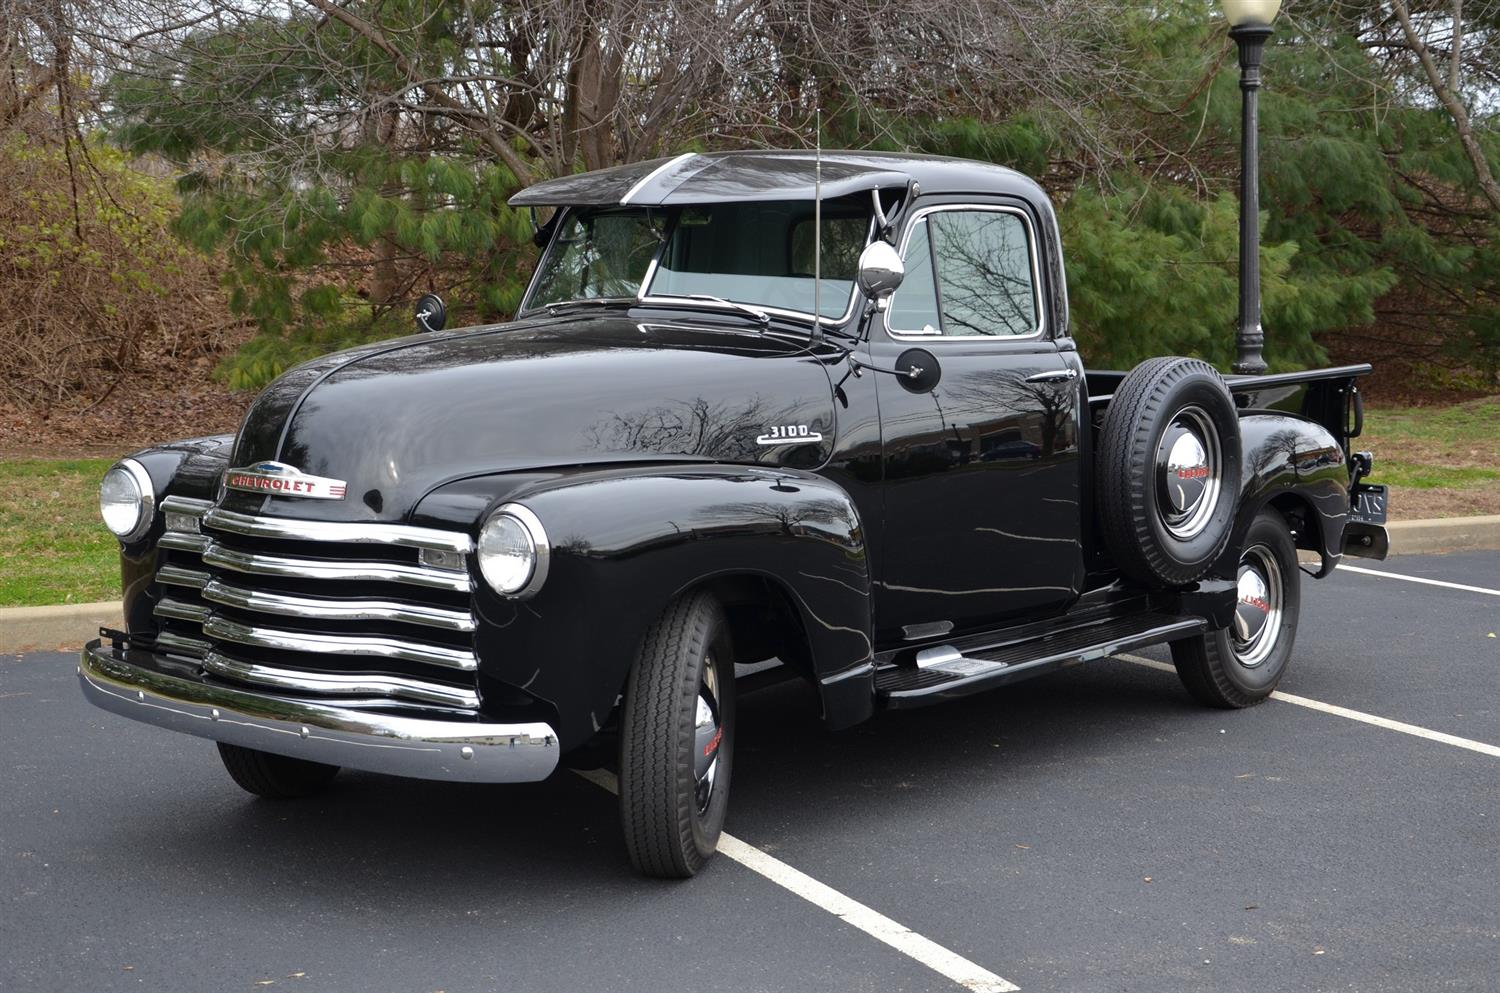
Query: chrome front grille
{"type": "Point", "coordinates": [319, 609]}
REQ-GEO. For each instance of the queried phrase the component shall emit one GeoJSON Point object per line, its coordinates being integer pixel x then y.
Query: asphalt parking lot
{"type": "Point", "coordinates": [1088, 831]}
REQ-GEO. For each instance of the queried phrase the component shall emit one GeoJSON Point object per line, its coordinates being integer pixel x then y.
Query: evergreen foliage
{"type": "Point", "coordinates": [331, 222]}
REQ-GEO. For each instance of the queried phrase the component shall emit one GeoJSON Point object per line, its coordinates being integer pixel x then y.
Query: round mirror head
{"type": "Point", "coordinates": [880, 270]}
{"type": "Point", "coordinates": [918, 370]}
{"type": "Point", "coordinates": [431, 314]}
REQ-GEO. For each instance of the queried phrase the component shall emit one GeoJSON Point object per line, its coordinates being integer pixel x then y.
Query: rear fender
{"type": "Point", "coordinates": [626, 541]}
{"type": "Point", "coordinates": [1298, 466]}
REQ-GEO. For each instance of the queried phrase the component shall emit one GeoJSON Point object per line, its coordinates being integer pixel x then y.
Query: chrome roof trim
{"type": "Point", "coordinates": [625, 200]}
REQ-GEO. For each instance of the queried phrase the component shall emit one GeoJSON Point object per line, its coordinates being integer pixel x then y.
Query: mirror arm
{"type": "Point", "coordinates": [880, 218]}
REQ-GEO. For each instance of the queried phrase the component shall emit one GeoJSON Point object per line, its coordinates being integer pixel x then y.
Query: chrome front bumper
{"type": "Point", "coordinates": [458, 751]}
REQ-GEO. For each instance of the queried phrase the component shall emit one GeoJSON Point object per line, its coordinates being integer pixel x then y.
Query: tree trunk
{"type": "Point", "coordinates": [1449, 98]}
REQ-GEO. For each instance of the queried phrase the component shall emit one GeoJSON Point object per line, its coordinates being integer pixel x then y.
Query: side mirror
{"type": "Point", "coordinates": [880, 271]}
{"type": "Point", "coordinates": [431, 314]}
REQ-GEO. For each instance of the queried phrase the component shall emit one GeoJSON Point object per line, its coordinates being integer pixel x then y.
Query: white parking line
{"type": "Point", "coordinates": [878, 926]}
{"type": "Point", "coordinates": [1481, 747]}
{"type": "Point", "coordinates": [1417, 579]}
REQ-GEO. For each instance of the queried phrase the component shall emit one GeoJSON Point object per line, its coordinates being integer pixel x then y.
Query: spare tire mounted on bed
{"type": "Point", "coordinates": [1169, 471]}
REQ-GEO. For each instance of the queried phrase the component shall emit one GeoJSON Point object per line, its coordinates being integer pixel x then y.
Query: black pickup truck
{"type": "Point", "coordinates": [752, 408]}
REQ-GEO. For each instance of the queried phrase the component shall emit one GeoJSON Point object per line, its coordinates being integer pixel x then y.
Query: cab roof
{"type": "Point", "coordinates": [723, 177]}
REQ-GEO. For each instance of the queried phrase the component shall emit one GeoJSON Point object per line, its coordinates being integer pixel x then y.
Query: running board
{"type": "Point", "coordinates": [944, 672]}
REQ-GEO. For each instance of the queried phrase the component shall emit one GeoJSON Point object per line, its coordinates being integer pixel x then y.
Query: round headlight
{"type": "Point", "coordinates": [513, 551]}
{"type": "Point", "coordinates": [127, 500]}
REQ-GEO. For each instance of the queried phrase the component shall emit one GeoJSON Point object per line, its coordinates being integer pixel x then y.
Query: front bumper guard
{"type": "Point", "coordinates": [421, 748]}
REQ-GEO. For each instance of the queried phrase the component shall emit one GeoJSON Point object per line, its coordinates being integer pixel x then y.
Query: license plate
{"type": "Point", "coordinates": [1369, 504]}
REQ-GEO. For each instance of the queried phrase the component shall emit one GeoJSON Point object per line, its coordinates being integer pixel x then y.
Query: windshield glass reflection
{"type": "Point", "coordinates": [756, 253]}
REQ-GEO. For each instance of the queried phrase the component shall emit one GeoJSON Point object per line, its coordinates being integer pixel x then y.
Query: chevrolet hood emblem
{"type": "Point", "coordinates": [280, 479]}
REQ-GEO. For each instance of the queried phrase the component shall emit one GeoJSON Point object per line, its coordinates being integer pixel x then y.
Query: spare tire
{"type": "Point", "coordinates": [1168, 471]}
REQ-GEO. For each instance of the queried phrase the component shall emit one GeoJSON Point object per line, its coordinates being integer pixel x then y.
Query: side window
{"type": "Point", "coordinates": [914, 308]}
{"type": "Point", "coordinates": [983, 284]}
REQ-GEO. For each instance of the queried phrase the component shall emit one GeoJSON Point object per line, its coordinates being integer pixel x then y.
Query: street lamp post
{"type": "Point", "coordinates": [1250, 25]}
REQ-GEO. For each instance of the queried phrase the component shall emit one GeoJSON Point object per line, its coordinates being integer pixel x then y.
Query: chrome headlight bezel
{"type": "Point", "coordinates": [515, 515]}
{"type": "Point", "coordinates": [145, 499]}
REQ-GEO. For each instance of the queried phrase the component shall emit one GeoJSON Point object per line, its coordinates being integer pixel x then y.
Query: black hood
{"type": "Point", "coordinates": [398, 419]}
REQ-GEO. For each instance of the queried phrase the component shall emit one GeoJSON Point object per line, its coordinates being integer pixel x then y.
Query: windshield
{"type": "Point", "coordinates": [760, 254]}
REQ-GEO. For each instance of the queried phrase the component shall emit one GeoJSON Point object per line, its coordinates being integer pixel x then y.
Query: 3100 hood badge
{"type": "Point", "coordinates": [280, 479]}
{"type": "Point", "coordinates": [789, 434]}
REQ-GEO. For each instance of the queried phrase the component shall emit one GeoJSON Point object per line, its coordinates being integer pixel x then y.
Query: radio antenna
{"type": "Point", "coordinates": [817, 328]}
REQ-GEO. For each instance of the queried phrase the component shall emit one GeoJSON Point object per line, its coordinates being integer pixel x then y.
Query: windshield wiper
{"type": "Point", "coordinates": [552, 308]}
{"type": "Point", "coordinates": [755, 312]}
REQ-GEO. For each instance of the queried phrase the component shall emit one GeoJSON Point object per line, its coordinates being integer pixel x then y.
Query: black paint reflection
{"type": "Point", "coordinates": [595, 389]}
{"type": "Point", "coordinates": [983, 477]}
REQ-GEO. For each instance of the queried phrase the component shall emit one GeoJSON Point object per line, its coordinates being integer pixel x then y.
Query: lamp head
{"type": "Point", "coordinates": [1245, 13]}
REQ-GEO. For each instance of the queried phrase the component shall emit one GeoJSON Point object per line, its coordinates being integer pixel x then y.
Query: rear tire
{"type": "Point", "coordinates": [677, 739]}
{"type": "Point", "coordinates": [1241, 665]}
{"type": "Point", "coordinates": [275, 777]}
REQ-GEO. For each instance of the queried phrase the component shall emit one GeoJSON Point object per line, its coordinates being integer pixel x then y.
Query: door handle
{"type": "Point", "coordinates": [1056, 376]}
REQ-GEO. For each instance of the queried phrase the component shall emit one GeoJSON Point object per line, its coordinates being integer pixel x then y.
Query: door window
{"type": "Point", "coordinates": [969, 273]}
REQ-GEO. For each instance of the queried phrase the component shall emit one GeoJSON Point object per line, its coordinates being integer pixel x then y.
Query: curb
{"type": "Point", "coordinates": [1449, 534]}
{"type": "Point", "coordinates": [67, 627]}
{"type": "Point", "coordinates": [64, 627]}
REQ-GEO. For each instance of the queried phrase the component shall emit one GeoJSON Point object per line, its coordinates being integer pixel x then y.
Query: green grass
{"type": "Point", "coordinates": [1439, 461]}
{"type": "Point", "coordinates": [53, 546]}
{"type": "Point", "coordinates": [1469, 426]}
{"type": "Point", "coordinates": [1429, 477]}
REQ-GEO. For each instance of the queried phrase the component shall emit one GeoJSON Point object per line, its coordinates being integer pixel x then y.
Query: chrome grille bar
{"type": "Point", "coordinates": [311, 608]}
{"type": "Point", "coordinates": [197, 526]}
{"type": "Point", "coordinates": [339, 684]}
{"type": "Point", "coordinates": [196, 647]}
{"type": "Point", "coordinates": [176, 575]}
{"type": "Point", "coordinates": [305, 568]}
{"type": "Point", "coordinates": [298, 641]}
{"type": "Point", "coordinates": [184, 541]}
{"type": "Point", "coordinates": [168, 607]}
{"type": "Point", "coordinates": [401, 535]}
{"type": "Point", "coordinates": [185, 505]}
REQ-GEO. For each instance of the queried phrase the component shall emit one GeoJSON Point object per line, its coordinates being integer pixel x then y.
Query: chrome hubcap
{"type": "Point", "coordinates": [708, 736]}
{"type": "Point", "coordinates": [1257, 615]}
{"type": "Point", "coordinates": [1188, 473]}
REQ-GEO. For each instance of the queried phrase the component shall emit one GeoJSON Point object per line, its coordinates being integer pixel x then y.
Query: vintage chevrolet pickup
{"type": "Point", "coordinates": [752, 408]}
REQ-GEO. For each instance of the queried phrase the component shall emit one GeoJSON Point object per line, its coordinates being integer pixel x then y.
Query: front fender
{"type": "Point", "coordinates": [188, 468]}
{"type": "Point", "coordinates": [1291, 462]}
{"type": "Point", "coordinates": [626, 541]}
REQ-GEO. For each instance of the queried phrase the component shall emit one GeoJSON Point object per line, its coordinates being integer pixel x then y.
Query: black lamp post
{"type": "Point", "coordinates": [1250, 25]}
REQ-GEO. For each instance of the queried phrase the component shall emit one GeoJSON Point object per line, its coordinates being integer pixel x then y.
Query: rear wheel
{"type": "Point", "coordinates": [677, 739]}
{"type": "Point", "coordinates": [276, 777]}
{"type": "Point", "coordinates": [1242, 664]}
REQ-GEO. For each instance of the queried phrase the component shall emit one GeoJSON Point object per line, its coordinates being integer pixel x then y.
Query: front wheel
{"type": "Point", "coordinates": [276, 777]}
{"type": "Point", "coordinates": [1242, 664]}
{"type": "Point", "coordinates": [677, 739]}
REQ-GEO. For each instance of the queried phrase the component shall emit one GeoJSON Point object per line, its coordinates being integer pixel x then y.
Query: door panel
{"type": "Point", "coordinates": [982, 474]}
